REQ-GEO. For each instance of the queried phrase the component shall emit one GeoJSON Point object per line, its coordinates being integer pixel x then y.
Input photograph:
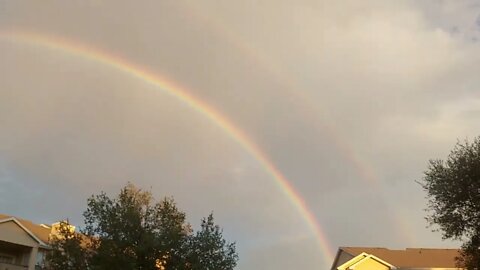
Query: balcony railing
{"type": "Point", "coordinates": [9, 266]}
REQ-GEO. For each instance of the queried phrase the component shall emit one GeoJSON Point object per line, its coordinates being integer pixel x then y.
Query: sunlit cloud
{"type": "Point", "coordinates": [348, 101]}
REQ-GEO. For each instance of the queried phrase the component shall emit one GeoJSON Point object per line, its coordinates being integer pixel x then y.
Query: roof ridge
{"type": "Point", "coordinates": [39, 231]}
{"type": "Point", "coordinates": [410, 257]}
{"type": "Point", "coordinates": [426, 248]}
{"type": "Point", "coordinates": [404, 249]}
{"type": "Point", "coordinates": [3, 216]}
{"type": "Point", "coordinates": [365, 247]}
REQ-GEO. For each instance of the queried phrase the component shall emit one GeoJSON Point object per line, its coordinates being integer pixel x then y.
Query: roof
{"type": "Point", "coordinates": [363, 257]}
{"type": "Point", "coordinates": [411, 257]}
{"type": "Point", "coordinates": [38, 230]}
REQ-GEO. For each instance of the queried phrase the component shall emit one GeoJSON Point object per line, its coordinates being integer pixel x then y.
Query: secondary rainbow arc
{"type": "Point", "coordinates": [171, 88]}
{"type": "Point", "coordinates": [365, 171]}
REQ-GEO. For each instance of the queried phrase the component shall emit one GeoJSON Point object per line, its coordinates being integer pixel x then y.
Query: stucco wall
{"type": "Point", "coordinates": [370, 264]}
{"type": "Point", "coordinates": [12, 233]}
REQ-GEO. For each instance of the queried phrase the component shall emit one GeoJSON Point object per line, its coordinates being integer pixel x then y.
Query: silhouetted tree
{"type": "Point", "coordinates": [208, 250]}
{"type": "Point", "coordinates": [133, 231]}
{"type": "Point", "coordinates": [453, 192]}
{"type": "Point", "coordinates": [68, 252]}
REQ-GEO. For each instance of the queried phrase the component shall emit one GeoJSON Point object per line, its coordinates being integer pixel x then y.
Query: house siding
{"type": "Point", "coordinates": [12, 233]}
{"type": "Point", "coordinates": [370, 264]}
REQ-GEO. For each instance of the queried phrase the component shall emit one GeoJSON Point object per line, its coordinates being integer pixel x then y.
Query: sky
{"type": "Point", "coordinates": [348, 100]}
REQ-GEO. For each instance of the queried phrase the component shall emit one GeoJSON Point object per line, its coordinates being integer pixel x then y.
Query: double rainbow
{"type": "Point", "coordinates": [176, 91]}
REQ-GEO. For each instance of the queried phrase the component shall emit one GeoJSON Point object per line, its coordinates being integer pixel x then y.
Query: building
{"type": "Point", "coordinates": [23, 244]}
{"type": "Point", "coordinates": [365, 258]}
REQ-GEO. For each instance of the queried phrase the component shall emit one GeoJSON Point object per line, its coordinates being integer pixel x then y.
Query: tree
{"type": "Point", "coordinates": [208, 250]}
{"type": "Point", "coordinates": [133, 231]}
{"type": "Point", "coordinates": [453, 192]}
{"type": "Point", "coordinates": [67, 252]}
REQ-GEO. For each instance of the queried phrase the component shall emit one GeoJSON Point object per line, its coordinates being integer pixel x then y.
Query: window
{"type": "Point", "coordinates": [6, 258]}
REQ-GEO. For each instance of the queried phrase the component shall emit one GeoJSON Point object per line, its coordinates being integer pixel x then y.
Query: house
{"type": "Point", "coordinates": [367, 258]}
{"type": "Point", "coordinates": [23, 244]}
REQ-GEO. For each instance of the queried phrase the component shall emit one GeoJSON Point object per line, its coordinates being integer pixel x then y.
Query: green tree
{"type": "Point", "coordinates": [208, 250]}
{"type": "Point", "coordinates": [133, 231]}
{"type": "Point", "coordinates": [453, 192]}
{"type": "Point", "coordinates": [67, 252]}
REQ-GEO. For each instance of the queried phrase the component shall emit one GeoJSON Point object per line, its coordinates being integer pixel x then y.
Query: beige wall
{"type": "Point", "coordinates": [17, 242]}
{"type": "Point", "coordinates": [370, 264]}
{"type": "Point", "coordinates": [4, 266]}
{"type": "Point", "coordinates": [364, 262]}
{"type": "Point", "coordinates": [11, 232]}
{"type": "Point", "coordinates": [19, 257]}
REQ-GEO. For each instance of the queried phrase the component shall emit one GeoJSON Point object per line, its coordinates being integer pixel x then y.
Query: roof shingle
{"type": "Point", "coordinates": [411, 257]}
{"type": "Point", "coordinates": [39, 231]}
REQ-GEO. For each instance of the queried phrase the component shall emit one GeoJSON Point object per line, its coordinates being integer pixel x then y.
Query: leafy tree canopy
{"type": "Point", "coordinates": [453, 192]}
{"type": "Point", "coordinates": [133, 231]}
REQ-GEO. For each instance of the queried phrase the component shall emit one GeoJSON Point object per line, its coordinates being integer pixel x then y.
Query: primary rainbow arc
{"type": "Point", "coordinates": [121, 64]}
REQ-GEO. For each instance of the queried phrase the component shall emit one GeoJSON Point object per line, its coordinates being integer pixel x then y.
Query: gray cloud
{"type": "Point", "coordinates": [330, 91]}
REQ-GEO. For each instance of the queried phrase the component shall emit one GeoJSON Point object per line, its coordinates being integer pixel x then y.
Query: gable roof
{"type": "Point", "coordinates": [410, 257]}
{"type": "Point", "coordinates": [37, 231]}
{"type": "Point", "coordinates": [361, 258]}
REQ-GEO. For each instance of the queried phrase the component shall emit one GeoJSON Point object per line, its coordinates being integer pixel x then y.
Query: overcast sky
{"type": "Point", "coordinates": [349, 100]}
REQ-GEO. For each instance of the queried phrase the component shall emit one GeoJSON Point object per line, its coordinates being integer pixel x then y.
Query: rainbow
{"type": "Point", "coordinates": [116, 62]}
{"type": "Point", "coordinates": [364, 170]}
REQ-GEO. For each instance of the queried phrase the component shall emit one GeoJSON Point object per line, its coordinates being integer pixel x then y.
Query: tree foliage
{"type": "Point", "coordinates": [68, 251]}
{"type": "Point", "coordinates": [133, 231]}
{"type": "Point", "coordinates": [453, 192]}
{"type": "Point", "coordinates": [208, 250]}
